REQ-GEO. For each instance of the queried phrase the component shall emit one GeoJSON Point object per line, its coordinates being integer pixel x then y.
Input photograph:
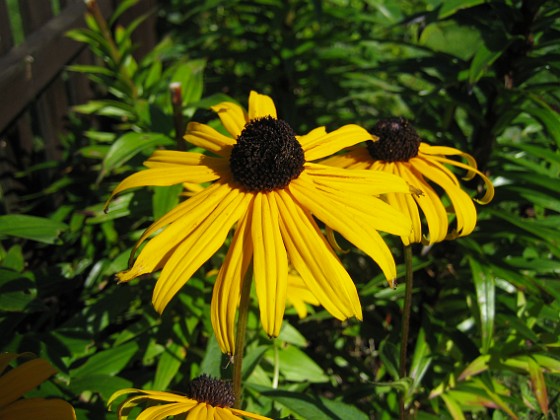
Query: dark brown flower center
{"type": "Point", "coordinates": [216, 392]}
{"type": "Point", "coordinates": [398, 141]}
{"type": "Point", "coordinates": [267, 155]}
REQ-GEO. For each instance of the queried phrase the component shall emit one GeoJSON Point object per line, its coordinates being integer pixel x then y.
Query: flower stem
{"type": "Point", "coordinates": [178, 121]}
{"type": "Point", "coordinates": [240, 336]}
{"type": "Point", "coordinates": [405, 321]}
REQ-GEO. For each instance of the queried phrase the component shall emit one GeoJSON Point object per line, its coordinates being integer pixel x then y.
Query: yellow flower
{"type": "Point", "coordinates": [400, 151]}
{"type": "Point", "coordinates": [298, 295]}
{"type": "Point", "coordinates": [263, 180]}
{"type": "Point", "coordinates": [207, 398]}
{"type": "Point", "coordinates": [17, 381]}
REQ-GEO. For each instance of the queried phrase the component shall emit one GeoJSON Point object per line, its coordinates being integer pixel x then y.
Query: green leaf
{"type": "Point", "coordinates": [100, 383]}
{"type": "Point", "coordinates": [538, 383]}
{"type": "Point", "coordinates": [297, 366]}
{"type": "Point", "coordinates": [485, 287]}
{"type": "Point", "coordinates": [165, 198]}
{"type": "Point", "coordinates": [309, 407]}
{"type": "Point", "coordinates": [450, 7]}
{"type": "Point", "coordinates": [38, 229]}
{"type": "Point", "coordinates": [453, 407]}
{"type": "Point", "coordinates": [168, 365]}
{"type": "Point", "coordinates": [451, 38]}
{"type": "Point", "coordinates": [478, 365]}
{"type": "Point", "coordinates": [108, 362]}
{"type": "Point", "coordinates": [123, 6]}
{"type": "Point", "coordinates": [420, 361]}
{"type": "Point", "coordinates": [483, 59]}
{"type": "Point", "coordinates": [129, 145]}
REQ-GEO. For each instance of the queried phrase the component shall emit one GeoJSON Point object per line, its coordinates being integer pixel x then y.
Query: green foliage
{"type": "Point", "coordinates": [479, 76]}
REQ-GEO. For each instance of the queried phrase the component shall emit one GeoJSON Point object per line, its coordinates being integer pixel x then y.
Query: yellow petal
{"type": "Point", "coordinates": [227, 289]}
{"type": "Point", "coordinates": [233, 117]}
{"type": "Point", "coordinates": [357, 157]}
{"type": "Point", "coordinates": [463, 206]}
{"type": "Point", "coordinates": [364, 182]}
{"type": "Point", "coordinates": [165, 177]}
{"type": "Point", "coordinates": [182, 220]}
{"type": "Point", "coordinates": [24, 378]}
{"type": "Point", "coordinates": [198, 246]}
{"type": "Point", "coordinates": [204, 136]}
{"type": "Point", "coordinates": [199, 412]}
{"type": "Point", "coordinates": [430, 203]}
{"type": "Point", "coordinates": [165, 411]}
{"type": "Point", "coordinates": [39, 408]}
{"type": "Point", "coordinates": [270, 262]}
{"type": "Point", "coordinates": [315, 261]}
{"type": "Point", "coordinates": [471, 173]}
{"type": "Point", "coordinates": [7, 358]}
{"type": "Point", "coordinates": [247, 414]}
{"type": "Point", "coordinates": [335, 141]}
{"type": "Point", "coordinates": [261, 106]}
{"type": "Point", "coordinates": [366, 208]}
{"type": "Point", "coordinates": [355, 224]}
{"type": "Point", "coordinates": [311, 137]}
{"type": "Point", "coordinates": [406, 204]}
{"type": "Point", "coordinates": [171, 158]}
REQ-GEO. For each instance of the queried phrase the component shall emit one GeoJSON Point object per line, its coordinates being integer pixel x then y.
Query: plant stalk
{"type": "Point", "coordinates": [407, 306]}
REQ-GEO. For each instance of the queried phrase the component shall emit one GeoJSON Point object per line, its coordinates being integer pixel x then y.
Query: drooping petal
{"type": "Point", "coordinates": [335, 141]}
{"type": "Point", "coordinates": [232, 116]}
{"type": "Point", "coordinates": [356, 181]}
{"type": "Point", "coordinates": [24, 378]}
{"type": "Point", "coordinates": [203, 241]}
{"type": "Point", "coordinates": [261, 106]}
{"type": "Point", "coordinates": [357, 157]}
{"type": "Point", "coordinates": [315, 261]}
{"type": "Point", "coordinates": [407, 205]}
{"type": "Point", "coordinates": [356, 224]}
{"type": "Point", "coordinates": [161, 412]}
{"type": "Point", "coordinates": [471, 173]}
{"type": "Point", "coordinates": [165, 177]}
{"type": "Point", "coordinates": [171, 158]}
{"type": "Point", "coordinates": [367, 208]}
{"type": "Point", "coordinates": [463, 206]}
{"type": "Point", "coordinates": [430, 203]}
{"type": "Point", "coordinates": [227, 288]}
{"type": "Point", "coordinates": [270, 262]}
{"type": "Point", "coordinates": [298, 295]}
{"type": "Point", "coordinates": [204, 136]}
{"type": "Point", "coordinates": [247, 414]}
{"type": "Point", "coordinates": [182, 220]}
{"type": "Point", "coordinates": [39, 408]}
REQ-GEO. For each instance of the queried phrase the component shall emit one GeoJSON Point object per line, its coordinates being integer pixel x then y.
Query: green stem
{"type": "Point", "coordinates": [240, 336]}
{"type": "Point", "coordinates": [406, 321]}
{"type": "Point", "coordinates": [178, 121]}
{"type": "Point", "coordinates": [114, 53]}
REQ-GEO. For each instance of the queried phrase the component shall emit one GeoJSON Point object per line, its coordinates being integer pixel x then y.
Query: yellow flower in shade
{"type": "Point", "coordinates": [400, 151]}
{"type": "Point", "coordinates": [299, 295]}
{"type": "Point", "coordinates": [262, 180]}
{"type": "Point", "coordinates": [207, 398]}
{"type": "Point", "coordinates": [14, 383]}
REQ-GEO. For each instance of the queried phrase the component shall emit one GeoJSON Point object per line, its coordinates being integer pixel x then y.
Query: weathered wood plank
{"type": "Point", "coordinates": [29, 67]}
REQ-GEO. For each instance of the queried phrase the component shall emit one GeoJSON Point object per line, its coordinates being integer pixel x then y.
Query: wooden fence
{"type": "Point", "coordinates": [36, 92]}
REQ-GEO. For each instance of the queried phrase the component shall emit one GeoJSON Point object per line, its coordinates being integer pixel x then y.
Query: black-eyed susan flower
{"type": "Point", "coordinates": [263, 180]}
{"type": "Point", "coordinates": [206, 398]}
{"type": "Point", "coordinates": [15, 382]}
{"type": "Point", "coordinates": [400, 151]}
